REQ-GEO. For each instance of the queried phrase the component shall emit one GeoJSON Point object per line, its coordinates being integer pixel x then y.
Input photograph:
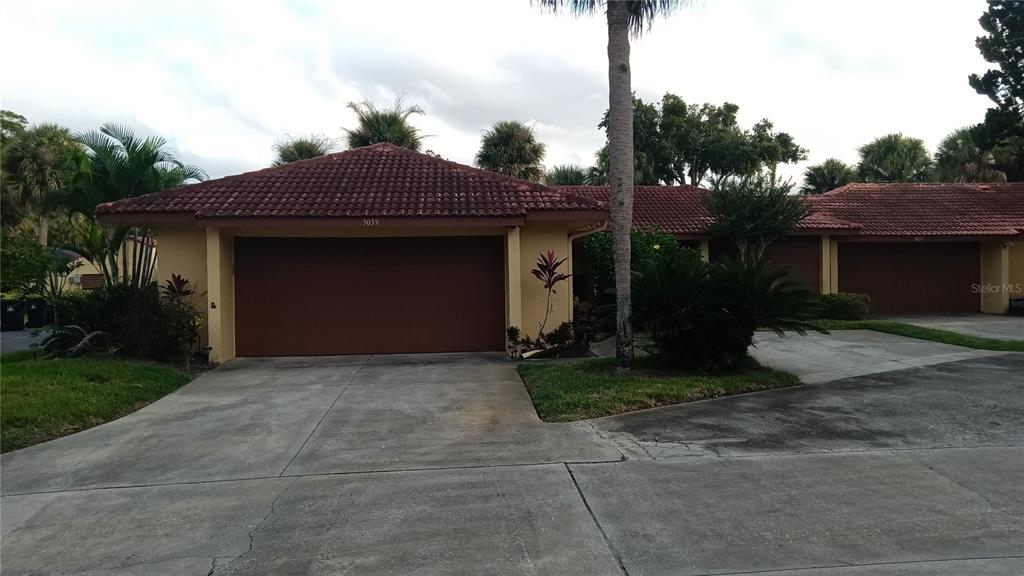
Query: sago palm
{"type": "Point", "coordinates": [510, 148]}
{"type": "Point", "coordinates": [625, 18]}
{"type": "Point", "coordinates": [384, 125]}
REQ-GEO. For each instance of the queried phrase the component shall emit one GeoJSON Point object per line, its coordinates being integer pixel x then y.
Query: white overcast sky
{"type": "Point", "coordinates": [224, 80]}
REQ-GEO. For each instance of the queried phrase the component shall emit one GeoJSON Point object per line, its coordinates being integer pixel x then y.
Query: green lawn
{"type": "Point", "coordinates": [932, 334]}
{"type": "Point", "coordinates": [45, 399]}
{"type": "Point", "coordinates": [565, 391]}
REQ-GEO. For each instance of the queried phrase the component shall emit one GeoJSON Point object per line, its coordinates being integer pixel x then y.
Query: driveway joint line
{"type": "Point", "coordinates": [963, 486]}
{"type": "Point", "coordinates": [597, 524]}
{"type": "Point", "coordinates": [864, 565]}
{"type": "Point", "coordinates": [326, 412]}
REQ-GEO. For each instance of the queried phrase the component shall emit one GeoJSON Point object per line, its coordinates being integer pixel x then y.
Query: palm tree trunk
{"type": "Point", "coordinates": [620, 172]}
{"type": "Point", "coordinates": [44, 230]}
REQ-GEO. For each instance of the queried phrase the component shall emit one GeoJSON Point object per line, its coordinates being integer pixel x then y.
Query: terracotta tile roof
{"type": "Point", "coordinates": [679, 210]}
{"type": "Point", "coordinates": [377, 180]}
{"type": "Point", "coordinates": [928, 209]}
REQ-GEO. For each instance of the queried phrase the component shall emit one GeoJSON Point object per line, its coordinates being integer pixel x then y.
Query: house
{"type": "Point", "coordinates": [371, 250]}
{"type": "Point", "coordinates": [914, 248]}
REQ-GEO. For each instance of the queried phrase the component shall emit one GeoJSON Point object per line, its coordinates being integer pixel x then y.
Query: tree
{"type": "Point", "coordinates": [384, 125]}
{"type": "Point", "coordinates": [302, 148]}
{"type": "Point", "coordinates": [121, 165]}
{"type": "Point", "coordinates": [773, 148]}
{"type": "Point", "coordinates": [510, 148]}
{"type": "Point", "coordinates": [624, 19]}
{"type": "Point", "coordinates": [567, 175]}
{"type": "Point", "coordinates": [828, 175]}
{"type": "Point", "coordinates": [960, 159]}
{"type": "Point", "coordinates": [1002, 132]}
{"type": "Point", "coordinates": [754, 211]}
{"type": "Point", "coordinates": [40, 160]}
{"type": "Point", "coordinates": [894, 158]}
{"type": "Point", "coordinates": [648, 146]}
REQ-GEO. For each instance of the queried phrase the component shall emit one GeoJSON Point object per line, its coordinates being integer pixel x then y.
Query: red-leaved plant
{"type": "Point", "coordinates": [547, 272]}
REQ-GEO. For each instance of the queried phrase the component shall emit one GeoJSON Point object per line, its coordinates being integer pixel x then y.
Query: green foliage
{"type": "Point", "coordinates": [845, 306]}
{"type": "Point", "coordinates": [754, 211]}
{"type": "Point", "coordinates": [140, 323]}
{"type": "Point", "coordinates": [384, 125]}
{"type": "Point", "coordinates": [72, 341]}
{"type": "Point", "coordinates": [567, 175]}
{"type": "Point", "coordinates": [45, 399]}
{"type": "Point", "coordinates": [1003, 23]}
{"type": "Point", "coordinates": [644, 244]}
{"type": "Point", "coordinates": [828, 175]}
{"type": "Point", "coordinates": [641, 13]}
{"type": "Point", "coordinates": [922, 333]}
{"type": "Point", "coordinates": [510, 148]}
{"type": "Point", "coordinates": [648, 148]}
{"type": "Point", "coordinates": [895, 158]}
{"type": "Point", "coordinates": [959, 158]}
{"type": "Point", "coordinates": [302, 148]}
{"type": "Point", "coordinates": [28, 268]}
{"type": "Point", "coordinates": [704, 316]}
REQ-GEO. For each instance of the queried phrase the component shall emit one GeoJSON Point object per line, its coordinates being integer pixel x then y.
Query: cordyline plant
{"type": "Point", "coordinates": [547, 272]}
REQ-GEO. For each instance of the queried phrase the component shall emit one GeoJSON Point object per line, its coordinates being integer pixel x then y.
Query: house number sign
{"type": "Point", "coordinates": [371, 221]}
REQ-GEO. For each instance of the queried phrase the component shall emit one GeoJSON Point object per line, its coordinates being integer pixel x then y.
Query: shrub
{"type": "Point", "coordinates": [845, 306]}
{"type": "Point", "coordinates": [703, 316]}
{"type": "Point", "coordinates": [645, 243]}
{"type": "Point", "coordinates": [140, 323]}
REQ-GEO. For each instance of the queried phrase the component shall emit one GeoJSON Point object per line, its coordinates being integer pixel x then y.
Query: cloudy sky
{"type": "Point", "coordinates": [224, 80]}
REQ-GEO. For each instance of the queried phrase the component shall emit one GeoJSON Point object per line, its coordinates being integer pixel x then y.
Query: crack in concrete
{"type": "Point", "coordinates": [984, 498]}
{"type": "Point", "coordinates": [252, 533]}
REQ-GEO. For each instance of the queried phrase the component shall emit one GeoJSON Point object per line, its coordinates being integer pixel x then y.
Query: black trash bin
{"type": "Point", "coordinates": [38, 312]}
{"type": "Point", "coordinates": [12, 315]}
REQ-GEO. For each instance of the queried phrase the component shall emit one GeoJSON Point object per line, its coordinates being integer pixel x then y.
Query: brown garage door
{"type": "Point", "coordinates": [800, 255]}
{"type": "Point", "coordinates": [318, 296]}
{"type": "Point", "coordinates": [911, 277]}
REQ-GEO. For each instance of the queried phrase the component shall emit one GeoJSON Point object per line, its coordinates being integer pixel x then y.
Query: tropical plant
{"type": "Point", "coordinates": [510, 148]}
{"type": "Point", "coordinates": [547, 272]}
{"type": "Point", "coordinates": [567, 175]}
{"type": "Point", "coordinates": [624, 19]}
{"type": "Point", "coordinates": [384, 125]}
{"type": "Point", "coordinates": [30, 269]}
{"type": "Point", "coordinates": [645, 243]}
{"type": "Point", "coordinates": [828, 175]}
{"type": "Point", "coordinates": [753, 212]}
{"type": "Point", "coordinates": [121, 165]}
{"type": "Point", "coordinates": [176, 288]}
{"type": "Point", "coordinates": [845, 306]}
{"type": "Point", "coordinates": [39, 162]}
{"type": "Point", "coordinates": [894, 158]}
{"type": "Point", "coordinates": [302, 148]}
{"type": "Point", "coordinates": [703, 316]}
{"type": "Point", "coordinates": [72, 341]}
{"type": "Point", "coordinates": [959, 158]}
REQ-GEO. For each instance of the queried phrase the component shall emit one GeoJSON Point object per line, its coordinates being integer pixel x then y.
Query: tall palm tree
{"type": "Point", "coordinates": [895, 158]}
{"type": "Point", "coordinates": [960, 159]}
{"type": "Point", "coordinates": [122, 165]}
{"type": "Point", "coordinates": [302, 148]}
{"type": "Point", "coordinates": [625, 18]}
{"type": "Point", "coordinates": [510, 148]}
{"type": "Point", "coordinates": [828, 175]}
{"type": "Point", "coordinates": [384, 125]}
{"type": "Point", "coordinates": [42, 163]}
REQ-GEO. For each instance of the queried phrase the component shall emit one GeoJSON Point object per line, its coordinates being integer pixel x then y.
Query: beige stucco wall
{"type": "Point", "coordinates": [535, 240]}
{"type": "Point", "coordinates": [182, 250]}
{"type": "Point", "coordinates": [995, 279]}
{"type": "Point", "coordinates": [1015, 261]}
{"type": "Point", "coordinates": [220, 273]}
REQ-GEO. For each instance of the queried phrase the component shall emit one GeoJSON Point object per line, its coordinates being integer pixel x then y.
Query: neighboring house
{"type": "Point", "coordinates": [914, 248]}
{"type": "Point", "coordinates": [87, 276]}
{"type": "Point", "coordinates": [372, 250]}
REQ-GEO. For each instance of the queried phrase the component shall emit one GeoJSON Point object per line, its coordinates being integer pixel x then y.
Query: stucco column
{"type": "Point", "coordinates": [213, 295]}
{"type": "Point", "coordinates": [995, 277]}
{"type": "Point", "coordinates": [705, 249]}
{"type": "Point", "coordinates": [827, 286]}
{"type": "Point", "coordinates": [513, 279]}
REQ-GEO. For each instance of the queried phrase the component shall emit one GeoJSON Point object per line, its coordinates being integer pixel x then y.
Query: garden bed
{"type": "Point", "coordinates": [579, 389]}
{"type": "Point", "coordinates": [48, 398]}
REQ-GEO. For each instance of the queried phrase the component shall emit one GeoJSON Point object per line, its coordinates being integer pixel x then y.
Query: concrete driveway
{"type": "Point", "coordinates": [993, 326]}
{"type": "Point", "coordinates": [438, 465]}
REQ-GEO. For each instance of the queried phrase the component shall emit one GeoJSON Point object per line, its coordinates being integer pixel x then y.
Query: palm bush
{"type": "Point", "coordinates": [302, 148]}
{"type": "Point", "coordinates": [384, 125]}
{"type": "Point", "coordinates": [704, 316]}
{"type": "Point", "coordinates": [510, 148]}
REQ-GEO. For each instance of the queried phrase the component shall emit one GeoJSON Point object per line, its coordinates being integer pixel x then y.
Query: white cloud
{"type": "Point", "coordinates": [224, 80]}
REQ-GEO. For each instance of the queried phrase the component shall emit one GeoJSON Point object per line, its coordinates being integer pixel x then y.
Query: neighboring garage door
{"type": "Point", "coordinates": [912, 277]}
{"type": "Point", "coordinates": [319, 296]}
{"type": "Point", "coordinates": [800, 255]}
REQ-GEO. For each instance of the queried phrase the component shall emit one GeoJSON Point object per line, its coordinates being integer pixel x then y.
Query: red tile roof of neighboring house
{"type": "Point", "coordinates": [679, 209]}
{"type": "Point", "coordinates": [928, 209]}
{"type": "Point", "coordinates": [374, 181]}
